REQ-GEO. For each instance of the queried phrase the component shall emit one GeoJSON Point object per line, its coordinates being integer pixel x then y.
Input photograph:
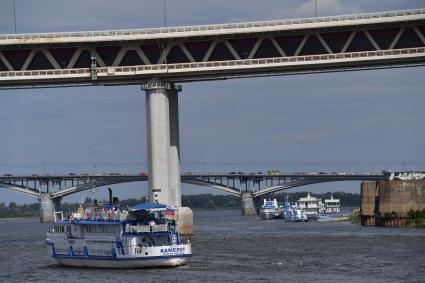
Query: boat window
{"type": "Point", "coordinates": [59, 228]}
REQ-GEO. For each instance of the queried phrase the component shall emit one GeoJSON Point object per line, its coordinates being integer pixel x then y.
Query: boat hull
{"type": "Point", "coordinates": [269, 215]}
{"type": "Point", "coordinates": [123, 263]}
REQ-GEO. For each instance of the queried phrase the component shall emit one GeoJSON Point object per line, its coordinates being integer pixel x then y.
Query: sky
{"type": "Point", "coordinates": [363, 121]}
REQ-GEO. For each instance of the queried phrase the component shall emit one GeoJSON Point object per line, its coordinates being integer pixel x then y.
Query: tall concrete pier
{"type": "Point", "coordinates": [174, 157]}
{"type": "Point", "coordinates": [162, 124]}
{"type": "Point", "coordinates": [162, 142]}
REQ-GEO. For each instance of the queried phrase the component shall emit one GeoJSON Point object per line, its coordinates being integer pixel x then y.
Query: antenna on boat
{"type": "Point", "coordinates": [315, 8]}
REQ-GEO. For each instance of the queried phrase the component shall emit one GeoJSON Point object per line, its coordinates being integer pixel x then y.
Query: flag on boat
{"type": "Point", "coordinates": [170, 211]}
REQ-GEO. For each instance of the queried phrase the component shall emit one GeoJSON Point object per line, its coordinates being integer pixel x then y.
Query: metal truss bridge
{"type": "Point", "coordinates": [59, 186]}
{"type": "Point", "coordinates": [194, 53]}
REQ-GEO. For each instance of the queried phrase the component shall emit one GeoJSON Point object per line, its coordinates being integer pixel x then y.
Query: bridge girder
{"type": "Point", "coordinates": [216, 186]}
{"type": "Point", "coordinates": [90, 185]}
{"type": "Point", "coordinates": [286, 186]}
{"type": "Point", "coordinates": [21, 189]}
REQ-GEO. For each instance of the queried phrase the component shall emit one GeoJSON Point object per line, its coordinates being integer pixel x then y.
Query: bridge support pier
{"type": "Point", "coordinates": [248, 207]}
{"type": "Point", "coordinates": [174, 158]}
{"type": "Point", "coordinates": [162, 119]}
{"type": "Point", "coordinates": [48, 206]}
{"type": "Point", "coordinates": [163, 142]}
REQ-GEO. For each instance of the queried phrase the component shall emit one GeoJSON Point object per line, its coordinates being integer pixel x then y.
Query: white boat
{"type": "Point", "coordinates": [110, 237]}
{"type": "Point", "coordinates": [332, 205]}
{"type": "Point", "coordinates": [310, 205]}
{"type": "Point", "coordinates": [292, 213]}
{"type": "Point", "coordinates": [270, 210]}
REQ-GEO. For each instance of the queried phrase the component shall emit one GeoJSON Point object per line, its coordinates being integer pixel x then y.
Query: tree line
{"type": "Point", "coordinates": [201, 201]}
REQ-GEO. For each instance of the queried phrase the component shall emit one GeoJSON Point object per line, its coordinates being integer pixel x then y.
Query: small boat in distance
{"type": "Point", "coordinates": [310, 205]}
{"type": "Point", "coordinates": [270, 210]}
{"type": "Point", "coordinates": [332, 205]}
{"type": "Point", "coordinates": [106, 236]}
{"type": "Point", "coordinates": [292, 213]}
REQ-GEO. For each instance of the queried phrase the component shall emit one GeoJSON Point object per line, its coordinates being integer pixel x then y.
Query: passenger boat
{"type": "Point", "coordinates": [270, 210]}
{"type": "Point", "coordinates": [106, 236]}
{"type": "Point", "coordinates": [332, 205]}
{"type": "Point", "coordinates": [310, 205]}
{"type": "Point", "coordinates": [292, 213]}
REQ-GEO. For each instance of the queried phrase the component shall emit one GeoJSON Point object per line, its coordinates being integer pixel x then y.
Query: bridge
{"type": "Point", "coordinates": [159, 58]}
{"type": "Point", "coordinates": [51, 189]}
{"type": "Point", "coordinates": [194, 53]}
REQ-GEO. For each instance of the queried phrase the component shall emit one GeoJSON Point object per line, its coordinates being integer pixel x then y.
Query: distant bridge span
{"type": "Point", "coordinates": [235, 184]}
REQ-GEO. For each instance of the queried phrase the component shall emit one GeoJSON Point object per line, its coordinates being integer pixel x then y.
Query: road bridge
{"type": "Point", "coordinates": [51, 189]}
{"type": "Point", "coordinates": [193, 53]}
{"type": "Point", "coordinates": [158, 58]}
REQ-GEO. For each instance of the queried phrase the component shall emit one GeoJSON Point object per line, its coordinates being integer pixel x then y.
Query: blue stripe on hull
{"type": "Point", "coordinates": [119, 259]}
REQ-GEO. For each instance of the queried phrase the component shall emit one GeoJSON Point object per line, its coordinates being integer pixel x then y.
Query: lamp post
{"type": "Point", "coordinates": [165, 14]}
{"type": "Point", "coordinates": [14, 15]}
{"type": "Point", "coordinates": [94, 159]}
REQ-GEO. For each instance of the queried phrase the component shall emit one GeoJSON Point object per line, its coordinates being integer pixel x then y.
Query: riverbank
{"type": "Point", "coordinates": [417, 219]}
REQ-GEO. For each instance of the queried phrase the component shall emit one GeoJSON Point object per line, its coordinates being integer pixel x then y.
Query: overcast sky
{"type": "Point", "coordinates": [355, 121]}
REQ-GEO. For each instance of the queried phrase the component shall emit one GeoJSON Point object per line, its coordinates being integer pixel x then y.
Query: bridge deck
{"type": "Point", "coordinates": [389, 17]}
{"type": "Point", "coordinates": [179, 54]}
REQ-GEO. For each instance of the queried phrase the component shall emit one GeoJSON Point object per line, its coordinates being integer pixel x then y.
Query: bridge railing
{"type": "Point", "coordinates": [202, 28]}
{"type": "Point", "coordinates": [187, 67]}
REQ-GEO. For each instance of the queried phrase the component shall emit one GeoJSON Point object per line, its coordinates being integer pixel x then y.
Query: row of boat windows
{"type": "Point", "coordinates": [80, 251]}
{"type": "Point", "coordinates": [99, 242]}
{"type": "Point", "coordinates": [61, 251]}
{"type": "Point", "coordinates": [101, 229]}
{"type": "Point", "coordinates": [88, 229]}
{"type": "Point", "coordinates": [62, 228]}
{"type": "Point", "coordinates": [100, 252]}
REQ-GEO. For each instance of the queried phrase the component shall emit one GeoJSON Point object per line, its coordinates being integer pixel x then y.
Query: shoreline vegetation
{"type": "Point", "coordinates": [195, 202]}
{"type": "Point", "coordinates": [417, 218]}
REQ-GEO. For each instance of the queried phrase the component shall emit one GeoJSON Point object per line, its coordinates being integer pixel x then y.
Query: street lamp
{"type": "Point", "coordinates": [165, 14]}
{"type": "Point", "coordinates": [14, 15]}
{"type": "Point", "coordinates": [94, 159]}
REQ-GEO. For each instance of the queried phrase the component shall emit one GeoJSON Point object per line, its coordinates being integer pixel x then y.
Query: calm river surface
{"type": "Point", "coordinates": [229, 247]}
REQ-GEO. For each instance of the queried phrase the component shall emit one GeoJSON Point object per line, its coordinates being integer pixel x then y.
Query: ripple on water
{"type": "Point", "coordinates": [228, 247]}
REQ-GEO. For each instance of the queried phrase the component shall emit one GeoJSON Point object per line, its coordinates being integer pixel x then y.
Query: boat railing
{"type": "Point", "coordinates": [147, 228]}
{"type": "Point", "coordinates": [100, 215]}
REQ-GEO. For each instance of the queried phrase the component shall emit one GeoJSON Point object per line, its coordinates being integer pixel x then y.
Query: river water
{"type": "Point", "coordinates": [228, 247]}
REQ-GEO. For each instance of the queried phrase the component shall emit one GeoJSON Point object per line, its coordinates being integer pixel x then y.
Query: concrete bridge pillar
{"type": "Point", "coordinates": [174, 157]}
{"type": "Point", "coordinates": [48, 206]}
{"type": "Point", "coordinates": [248, 207]}
{"type": "Point", "coordinates": [162, 119]}
{"type": "Point", "coordinates": [160, 164]}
